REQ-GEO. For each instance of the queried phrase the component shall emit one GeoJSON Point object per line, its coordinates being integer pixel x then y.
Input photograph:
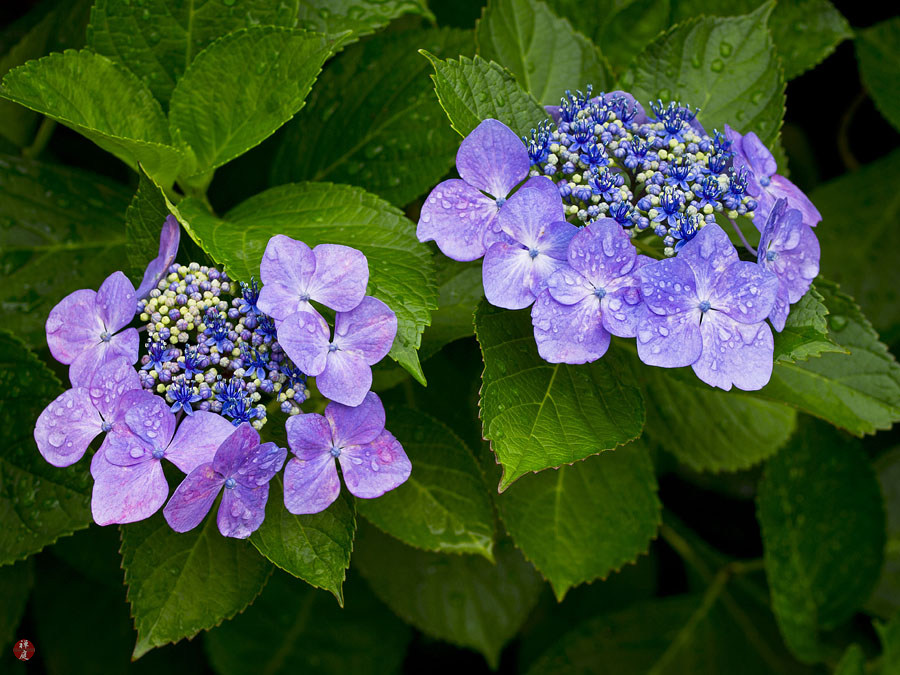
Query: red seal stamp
{"type": "Point", "coordinates": [23, 649]}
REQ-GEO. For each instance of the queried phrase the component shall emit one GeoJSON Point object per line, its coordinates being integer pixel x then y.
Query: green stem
{"type": "Point", "coordinates": [44, 132]}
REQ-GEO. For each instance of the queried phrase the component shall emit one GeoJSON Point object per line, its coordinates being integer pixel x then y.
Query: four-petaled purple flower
{"type": "Point", "coordinates": [788, 248]}
{"type": "Point", "coordinates": [372, 460]}
{"type": "Point", "coordinates": [168, 247]}
{"type": "Point", "coordinates": [243, 467]}
{"type": "Point", "coordinates": [707, 309]}
{"type": "Point", "coordinates": [595, 295]}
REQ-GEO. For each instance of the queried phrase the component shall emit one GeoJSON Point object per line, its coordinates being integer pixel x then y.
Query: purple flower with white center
{"type": "Point", "coordinates": [515, 273]}
{"type": "Point", "coordinates": [341, 365]}
{"type": "Point", "coordinates": [243, 468]}
{"type": "Point", "coordinates": [595, 295]}
{"type": "Point", "coordinates": [707, 309]}
{"type": "Point", "coordinates": [372, 460]}
{"type": "Point", "coordinates": [293, 274]}
{"type": "Point", "coordinates": [788, 248]}
{"type": "Point", "coordinates": [66, 427]}
{"type": "Point", "coordinates": [460, 214]}
{"type": "Point", "coordinates": [158, 353]}
{"type": "Point", "coordinates": [763, 184]}
{"type": "Point", "coordinates": [183, 395]}
{"type": "Point", "coordinates": [168, 248]}
{"type": "Point", "coordinates": [129, 484]}
{"type": "Point", "coordinates": [83, 329]}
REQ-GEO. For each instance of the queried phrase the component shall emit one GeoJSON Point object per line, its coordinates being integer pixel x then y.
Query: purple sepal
{"type": "Point", "coordinates": [374, 468]}
{"type": "Point", "coordinates": [169, 239]}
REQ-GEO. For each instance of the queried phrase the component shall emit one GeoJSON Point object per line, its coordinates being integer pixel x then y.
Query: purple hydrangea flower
{"type": "Point", "coordinates": [624, 102]}
{"type": "Point", "coordinates": [595, 295]}
{"type": "Point", "coordinates": [763, 184]}
{"type": "Point", "coordinates": [66, 427]}
{"type": "Point", "coordinates": [169, 239]}
{"type": "Point", "coordinates": [458, 215]}
{"type": "Point", "coordinates": [129, 484]}
{"type": "Point", "coordinates": [372, 460]}
{"type": "Point", "coordinates": [788, 248]}
{"type": "Point", "coordinates": [293, 274]}
{"type": "Point", "coordinates": [83, 329]}
{"type": "Point", "coordinates": [243, 467]}
{"type": "Point", "coordinates": [707, 309]}
{"type": "Point", "coordinates": [516, 271]}
{"type": "Point", "coordinates": [341, 365]}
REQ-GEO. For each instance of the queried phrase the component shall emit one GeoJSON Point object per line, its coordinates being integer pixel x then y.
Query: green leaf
{"type": "Point", "coordinates": [400, 269]}
{"type": "Point", "coordinates": [15, 587]}
{"type": "Point", "coordinates": [822, 518]}
{"type": "Point", "coordinates": [472, 90]}
{"type": "Point", "coordinates": [372, 119]}
{"type": "Point", "coordinates": [859, 391]}
{"type": "Point", "coordinates": [889, 634]}
{"type": "Point", "coordinates": [59, 228]}
{"type": "Point", "coordinates": [805, 332]}
{"type": "Point", "coordinates": [727, 67]}
{"type": "Point", "coordinates": [360, 16]}
{"type": "Point", "coordinates": [543, 51]}
{"type": "Point", "coordinates": [853, 662]}
{"type": "Point", "coordinates": [102, 101]}
{"type": "Point", "coordinates": [180, 584]}
{"type": "Point", "coordinates": [444, 505]}
{"type": "Point", "coordinates": [242, 87]}
{"type": "Point", "coordinates": [885, 599]}
{"type": "Point", "coordinates": [539, 415]}
{"type": "Point", "coordinates": [143, 220]}
{"type": "Point", "coordinates": [158, 39]}
{"type": "Point", "coordinates": [461, 599]}
{"type": "Point", "coordinates": [315, 548]}
{"type": "Point", "coordinates": [863, 269]}
{"type": "Point", "coordinates": [459, 292]}
{"type": "Point", "coordinates": [879, 66]}
{"type": "Point", "coordinates": [292, 628]}
{"type": "Point", "coordinates": [38, 502]}
{"type": "Point", "coordinates": [585, 521]}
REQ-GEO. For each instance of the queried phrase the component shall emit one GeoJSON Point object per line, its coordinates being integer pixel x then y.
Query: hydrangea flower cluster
{"type": "Point", "coordinates": [219, 357]}
{"type": "Point", "coordinates": [559, 219]}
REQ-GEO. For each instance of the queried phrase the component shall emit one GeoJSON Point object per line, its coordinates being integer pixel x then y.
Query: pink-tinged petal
{"type": "Point", "coordinates": [66, 427]}
{"type": "Point", "coordinates": [149, 418]}
{"type": "Point", "coordinates": [169, 239]}
{"type": "Point", "coordinates": [342, 274]}
{"type": "Point", "coordinates": [235, 448]}
{"type": "Point", "coordinates": [492, 158]}
{"type": "Point", "coordinates": [781, 187]}
{"type": "Point", "coordinates": [305, 337]}
{"type": "Point", "coordinates": [507, 276]}
{"type": "Point", "coordinates": [375, 468]}
{"type": "Point", "coordinates": [73, 326]}
{"type": "Point", "coordinates": [123, 448]}
{"type": "Point", "coordinates": [122, 345]}
{"type": "Point", "coordinates": [116, 302]}
{"type": "Point", "coordinates": [346, 379]}
{"type": "Point", "coordinates": [310, 486]}
{"type": "Point", "coordinates": [751, 153]}
{"type": "Point", "coordinates": [457, 217]}
{"type": "Point", "coordinates": [193, 499]}
{"type": "Point", "coordinates": [623, 307]}
{"type": "Point", "coordinates": [308, 435]}
{"type": "Point", "coordinates": [670, 341]}
{"type": "Point", "coordinates": [745, 292]}
{"type": "Point", "coordinates": [568, 287]}
{"type": "Point", "coordinates": [601, 252]}
{"type": "Point", "coordinates": [668, 286]}
{"type": "Point", "coordinates": [260, 466]}
{"type": "Point", "coordinates": [197, 439]}
{"type": "Point", "coordinates": [734, 353]}
{"type": "Point", "coordinates": [529, 212]}
{"type": "Point", "coordinates": [708, 254]}
{"type": "Point", "coordinates": [242, 510]}
{"type": "Point", "coordinates": [127, 494]}
{"type": "Point", "coordinates": [286, 271]}
{"type": "Point", "coordinates": [568, 333]}
{"type": "Point", "coordinates": [357, 425]}
{"type": "Point", "coordinates": [368, 330]}
{"type": "Point", "coordinates": [110, 383]}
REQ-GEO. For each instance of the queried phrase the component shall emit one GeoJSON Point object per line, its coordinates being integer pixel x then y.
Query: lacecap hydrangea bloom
{"type": "Point", "coordinates": [605, 179]}
{"type": "Point", "coordinates": [218, 358]}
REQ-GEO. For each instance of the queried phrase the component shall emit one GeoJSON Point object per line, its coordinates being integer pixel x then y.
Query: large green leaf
{"type": "Point", "coordinates": [727, 67]}
{"type": "Point", "coordinates": [539, 415]}
{"type": "Point", "coordinates": [543, 51]}
{"type": "Point", "coordinates": [400, 270]}
{"type": "Point", "coordinates": [461, 599]}
{"type": "Point", "coordinates": [472, 90]}
{"type": "Point", "coordinates": [292, 628]}
{"type": "Point", "coordinates": [315, 548]}
{"type": "Point", "coordinates": [879, 66]}
{"type": "Point", "coordinates": [444, 505]}
{"type": "Point", "coordinates": [459, 292]}
{"type": "Point", "coordinates": [859, 391]}
{"type": "Point", "coordinates": [822, 518]}
{"type": "Point", "coordinates": [158, 39]}
{"type": "Point", "coordinates": [585, 521]}
{"type": "Point", "coordinates": [242, 87]}
{"type": "Point", "coordinates": [853, 662]}
{"type": "Point", "coordinates": [805, 332]}
{"type": "Point", "coordinates": [38, 502]}
{"type": "Point", "coordinates": [885, 599]}
{"type": "Point", "coordinates": [360, 16]}
{"type": "Point", "coordinates": [372, 119]}
{"type": "Point", "coordinates": [180, 584]}
{"type": "Point", "coordinates": [102, 101]}
{"type": "Point", "coordinates": [60, 228]}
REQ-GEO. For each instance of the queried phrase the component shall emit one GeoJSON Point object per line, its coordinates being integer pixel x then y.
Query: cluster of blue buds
{"type": "Point", "coordinates": [209, 347]}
